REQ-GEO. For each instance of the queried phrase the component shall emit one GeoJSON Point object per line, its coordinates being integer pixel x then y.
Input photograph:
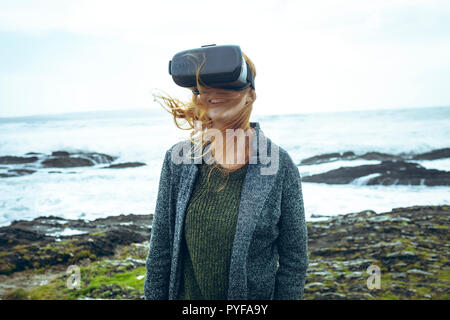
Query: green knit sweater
{"type": "Point", "coordinates": [209, 229]}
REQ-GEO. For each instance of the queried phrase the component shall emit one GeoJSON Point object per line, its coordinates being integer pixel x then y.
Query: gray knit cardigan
{"type": "Point", "coordinates": [269, 257]}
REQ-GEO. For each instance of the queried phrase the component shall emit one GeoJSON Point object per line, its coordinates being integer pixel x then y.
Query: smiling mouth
{"type": "Point", "coordinates": [217, 102]}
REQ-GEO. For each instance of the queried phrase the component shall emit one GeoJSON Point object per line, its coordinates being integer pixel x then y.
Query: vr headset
{"type": "Point", "coordinates": [220, 67]}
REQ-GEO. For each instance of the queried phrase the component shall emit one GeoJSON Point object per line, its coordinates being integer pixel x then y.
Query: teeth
{"type": "Point", "coordinates": [216, 101]}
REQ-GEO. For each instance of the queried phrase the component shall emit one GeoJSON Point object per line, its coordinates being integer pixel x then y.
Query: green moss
{"type": "Point", "coordinates": [84, 254]}
{"type": "Point", "coordinates": [444, 275]}
{"type": "Point", "coordinates": [55, 290]}
{"type": "Point", "coordinates": [7, 269]}
{"type": "Point", "coordinates": [128, 278]}
{"type": "Point", "coordinates": [97, 234]}
{"type": "Point", "coordinates": [94, 278]}
{"type": "Point", "coordinates": [421, 291]}
{"type": "Point", "coordinates": [16, 294]}
{"type": "Point", "coordinates": [40, 270]}
{"type": "Point", "coordinates": [20, 247]}
{"type": "Point", "coordinates": [388, 295]}
{"type": "Point", "coordinates": [339, 259]}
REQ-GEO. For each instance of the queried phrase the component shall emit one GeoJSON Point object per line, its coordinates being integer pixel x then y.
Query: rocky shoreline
{"type": "Point", "coordinates": [401, 169]}
{"type": "Point", "coordinates": [410, 246]}
{"type": "Point", "coordinates": [14, 166]}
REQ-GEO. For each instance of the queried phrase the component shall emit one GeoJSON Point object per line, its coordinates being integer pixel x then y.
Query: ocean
{"type": "Point", "coordinates": [144, 136]}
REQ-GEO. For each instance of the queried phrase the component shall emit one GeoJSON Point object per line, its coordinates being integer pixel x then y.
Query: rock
{"type": "Point", "coordinates": [399, 265]}
{"type": "Point", "coordinates": [66, 162]}
{"type": "Point", "coordinates": [60, 154]}
{"type": "Point", "coordinates": [433, 155]}
{"type": "Point", "coordinates": [32, 244]}
{"type": "Point", "coordinates": [125, 165]}
{"type": "Point", "coordinates": [383, 218]}
{"type": "Point", "coordinates": [398, 275]}
{"type": "Point", "coordinates": [408, 256]}
{"type": "Point", "coordinates": [358, 264]}
{"type": "Point", "coordinates": [359, 296]}
{"type": "Point", "coordinates": [350, 155]}
{"type": "Point", "coordinates": [16, 173]}
{"type": "Point", "coordinates": [319, 274]}
{"type": "Point", "coordinates": [330, 296]}
{"type": "Point", "coordinates": [378, 156]}
{"type": "Point", "coordinates": [386, 173]}
{"type": "Point", "coordinates": [94, 157]}
{"type": "Point", "coordinates": [324, 158]}
{"type": "Point", "coordinates": [319, 216]}
{"type": "Point", "coordinates": [418, 272]}
{"type": "Point", "coordinates": [314, 285]}
{"type": "Point", "coordinates": [336, 246]}
{"type": "Point", "coordinates": [57, 159]}
{"type": "Point", "coordinates": [17, 160]}
{"type": "Point", "coordinates": [356, 274]}
{"type": "Point", "coordinates": [33, 153]}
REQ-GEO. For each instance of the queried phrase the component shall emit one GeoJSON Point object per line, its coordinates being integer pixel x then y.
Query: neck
{"type": "Point", "coordinates": [234, 151]}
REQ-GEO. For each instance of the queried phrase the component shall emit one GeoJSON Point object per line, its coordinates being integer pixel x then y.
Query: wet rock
{"type": "Point", "coordinates": [385, 173]}
{"type": "Point", "coordinates": [398, 275]}
{"type": "Point", "coordinates": [402, 242]}
{"type": "Point", "coordinates": [41, 242]}
{"type": "Point", "coordinates": [66, 162]}
{"type": "Point", "coordinates": [406, 238]}
{"type": "Point", "coordinates": [33, 153]}
{"type": "Point", "coordinates": [350, 155]}
{"type": "Point", "coordinates": [357, 264]}
{"type": "Point", "coordinates": [17, 160]}
{"type": "Point", "coordinates": [125, 165]}
{"type": "Point", "coordinates": [113, 291]}
{"type": "Point", "coordinates": [16, 173]}
{"type": "Point", "coordinates": [57, 159]}
{"type": "Point", "coordinates": [433, 155]}
{"type": "Point", "coordinates": [328, 157]}
{"type": "Point", "coordinates": [379, 156]}
{"type": "Point", "coordinates": [313, 216]}
{"type": "Point", "coordinates": [419, 272]}
{"type": "Point", "coordinates": [383, 218]}
{"type": "Point", "coordinates": [330, 296]}
{"type": "Point", "coordinates": [393, 170]}
{"type": "Point", "coordinates": [405, 256]}
{"type": "Point", "coordinates": [60, 154]}
{"type": "Point", "coordinates": [314, 284]}
{"type": "Point", "coordinates": [356, 274]}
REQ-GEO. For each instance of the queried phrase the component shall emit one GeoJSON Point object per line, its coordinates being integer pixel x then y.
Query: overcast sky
{"type": "Point", "coordinates": [311, 56]}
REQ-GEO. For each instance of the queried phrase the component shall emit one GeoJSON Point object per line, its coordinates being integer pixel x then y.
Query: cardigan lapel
{"type": "Point", "coordinates": [255, 190]}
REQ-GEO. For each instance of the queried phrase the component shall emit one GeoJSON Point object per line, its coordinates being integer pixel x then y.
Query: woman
{"type": "Point", "coordinates": [223, 228]}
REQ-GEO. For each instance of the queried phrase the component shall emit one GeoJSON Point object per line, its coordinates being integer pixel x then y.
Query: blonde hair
{"type": "Point", "coordinates": [194, 112]}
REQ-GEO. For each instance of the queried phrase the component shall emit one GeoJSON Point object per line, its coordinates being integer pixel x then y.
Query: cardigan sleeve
{"type": "Point", "coordinates": [293, 238]}
{"type": "Point", "coordinates": [156, 284]}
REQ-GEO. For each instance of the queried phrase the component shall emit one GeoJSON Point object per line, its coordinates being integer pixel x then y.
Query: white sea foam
{"type": "Point", "coordinates": [66, 232]}
{"type": "Point", "coordinates": [91, 192]}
